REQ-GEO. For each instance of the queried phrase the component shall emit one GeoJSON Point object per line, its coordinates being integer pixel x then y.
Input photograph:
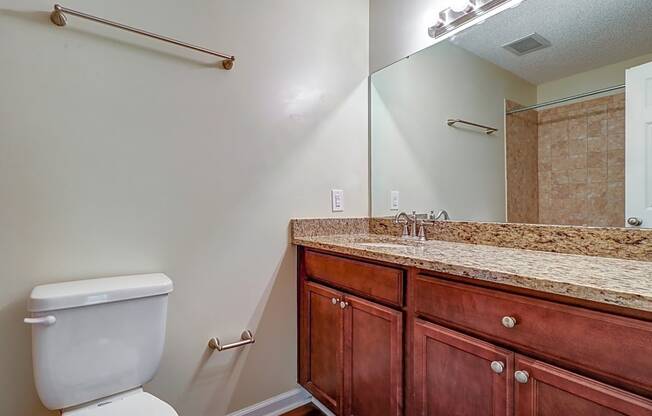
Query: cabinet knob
{"type": "Point", "coordinates": [522, 376]}
{"type": "Point", "coordinates": [334, 301]}
{"type": "Point", "coordinates": [497, 367]}
{"type": "Point", "coordinates": [344, 304]}
{"type": "Point", "coordinates": [509, 321]}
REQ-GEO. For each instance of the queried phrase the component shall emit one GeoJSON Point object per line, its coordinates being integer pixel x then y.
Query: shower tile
{"type": "Point", "coordinates": [616, 140]}
{"type": "Point", "coordinates": [596, 175]}
{"type": "Point", "coordinates": [597, 160]}
{"type": "Point", "coordinates": [578, 176]}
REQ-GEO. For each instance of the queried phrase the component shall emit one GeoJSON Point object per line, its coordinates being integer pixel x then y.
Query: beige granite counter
{"type": "Point", "coordinates": [612, 281]}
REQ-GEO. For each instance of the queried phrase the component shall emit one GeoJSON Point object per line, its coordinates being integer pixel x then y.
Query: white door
{"type": "Point", "coordinates": [638, 147]}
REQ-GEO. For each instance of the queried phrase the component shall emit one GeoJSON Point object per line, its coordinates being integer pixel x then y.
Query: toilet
{"type": "Point", "coordinates": [96, 342]}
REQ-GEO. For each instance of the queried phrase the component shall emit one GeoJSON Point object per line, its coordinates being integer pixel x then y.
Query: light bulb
{"type": "Point", "coordinates": [440, 23]}
{"type": "Point", "coordinates": [459, 6]}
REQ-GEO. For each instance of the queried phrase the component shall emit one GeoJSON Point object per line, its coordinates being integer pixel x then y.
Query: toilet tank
{"type": "Point", "coordinates": [97, 337]}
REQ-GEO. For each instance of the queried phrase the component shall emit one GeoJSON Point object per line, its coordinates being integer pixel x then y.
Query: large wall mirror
{"type": "Point", "coordinates": [541, 114]}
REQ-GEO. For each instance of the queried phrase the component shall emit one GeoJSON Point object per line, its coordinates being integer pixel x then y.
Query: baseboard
{"type": "Point", "coordinates": [321, 407]}
{"type": "Point", "coordinates": [277, 405]}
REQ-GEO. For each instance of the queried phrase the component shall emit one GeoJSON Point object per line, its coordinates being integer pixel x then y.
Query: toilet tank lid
{"type": "Point", "coordinates": [95, 291]}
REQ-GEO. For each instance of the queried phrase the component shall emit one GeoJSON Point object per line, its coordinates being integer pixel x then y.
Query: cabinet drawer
{"type": "Point", "coordinates": [380, 283]}
{"type": "Point", "coordinates": [613, 348]}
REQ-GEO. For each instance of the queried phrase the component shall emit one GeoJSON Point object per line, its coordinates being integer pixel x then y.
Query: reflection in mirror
{"type": "Point", "coordinates": [559, 80]}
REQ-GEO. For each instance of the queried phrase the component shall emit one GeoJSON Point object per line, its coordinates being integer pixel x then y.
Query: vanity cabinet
{"type": "Point", "coordinates": [373, 359]}
{"type": "Point", "coordinates": [351, 352]}
{"type": "Point", "coordinates": [322, 345]}
{"type": "Point", "coordinates": [608, 347]}
{"type": "Point", "coordinates": [545, 390]}
{"type": "Point", "coordinates": [378, 339]}
{"type": "Point", "coordinates": [455, 374]}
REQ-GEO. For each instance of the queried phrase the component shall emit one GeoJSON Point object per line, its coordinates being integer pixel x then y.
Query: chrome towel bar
{"type": "Point", "coordinates": [488, 130]}
{"type": "Point", "coordinates": [58, 17]}
{"type": "Point", "coordinates": [246, 338]}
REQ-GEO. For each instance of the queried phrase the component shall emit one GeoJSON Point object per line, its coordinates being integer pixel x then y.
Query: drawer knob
{"type": "Point", "coordinates": [344, 304]}
{"type": "Point", "coordinates": [497, 367]}
{"type": "Point", "coordinates": [334, 301]}
{"type": "Point", "coordinates": [522, 376]}
{"type": "Point", "coordinates": [509, 321]}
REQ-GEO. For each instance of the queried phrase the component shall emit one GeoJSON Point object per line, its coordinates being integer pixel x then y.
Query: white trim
{"type": "Point", "coordinates": [277, 405]}
{"type": "Point", "coordinates": [321, 407]}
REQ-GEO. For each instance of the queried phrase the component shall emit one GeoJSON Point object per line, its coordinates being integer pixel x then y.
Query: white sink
{"type": "Point", "coordinates": [387, 245]}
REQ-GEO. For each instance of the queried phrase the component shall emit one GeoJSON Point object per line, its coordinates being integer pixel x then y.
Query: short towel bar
{"type": "Point", "coordinates": [488, 130]}
{"type": "Point", "coordinates": [246, 338]}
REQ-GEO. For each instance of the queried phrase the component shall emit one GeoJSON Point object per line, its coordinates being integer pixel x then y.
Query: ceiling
{"type": "Point", "coordinates": [585, 34]}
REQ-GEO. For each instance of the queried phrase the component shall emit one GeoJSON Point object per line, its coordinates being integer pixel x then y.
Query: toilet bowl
{"type": "Point", "coordinates": [96, 342]}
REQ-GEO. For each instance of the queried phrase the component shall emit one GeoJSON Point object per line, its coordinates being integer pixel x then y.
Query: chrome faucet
{"type": "Point", "coordinates": [440, 213]}
{"type": "Point", "coordinates": [405, 220]}
{"type": "Point", "coordinates": [413, 221]}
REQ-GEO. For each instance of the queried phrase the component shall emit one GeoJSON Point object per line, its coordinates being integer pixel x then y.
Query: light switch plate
{"type": "Point", "coordinates": [394, 200]}
{"type": "Point", "coordinates": [337, 200]}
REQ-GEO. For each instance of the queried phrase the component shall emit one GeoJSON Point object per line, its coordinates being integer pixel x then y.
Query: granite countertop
{"type": "Point", "coordinates": [626, 283]}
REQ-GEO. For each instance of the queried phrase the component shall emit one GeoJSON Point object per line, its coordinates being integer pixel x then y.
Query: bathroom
{"type": "Point", "coordinates": [271, 161]}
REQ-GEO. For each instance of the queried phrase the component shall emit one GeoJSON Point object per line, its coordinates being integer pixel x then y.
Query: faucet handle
{"type": "Point", "coordinates": [422, 229]}
{"type": "Point", "coordinates": [406, 232]}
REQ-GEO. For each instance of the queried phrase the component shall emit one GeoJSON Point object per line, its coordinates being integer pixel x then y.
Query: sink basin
{"type": "Point", "coordinates": [384, 245]}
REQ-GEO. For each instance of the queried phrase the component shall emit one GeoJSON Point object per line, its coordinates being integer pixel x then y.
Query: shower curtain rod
{"type": "Point", "coordinates": [563, 100]}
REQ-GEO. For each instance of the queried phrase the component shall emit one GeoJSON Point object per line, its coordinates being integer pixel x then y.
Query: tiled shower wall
{"type": "Point", "coordinates": [581, 163]}
{"type": "Point", "coordinates": [522, 166]}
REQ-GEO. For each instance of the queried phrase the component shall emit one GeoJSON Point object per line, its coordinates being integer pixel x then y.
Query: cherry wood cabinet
{"type": "Point", "coordinates": [379, 339]}
{"type": "Point", "coordinates": [351, 353]}
{"type": "Point", "coordinates": [382, 284]}
{"type": "Point", "coordinates": [545, 329]}
{"type": "Point", "coordinates": [373, 359]}
{"type": "Point", "coordinates": [546, 390]}
{"type": "Point", "coordinates": [321, 347]}
{"type": "Point", "coordinates": [455, 374]}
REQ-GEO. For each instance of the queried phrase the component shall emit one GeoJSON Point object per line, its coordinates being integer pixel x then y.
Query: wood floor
{"type": "Point", "coordinates": [307, 410]}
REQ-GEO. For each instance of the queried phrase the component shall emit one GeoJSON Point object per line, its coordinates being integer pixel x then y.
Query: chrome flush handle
{"type": "Point", "coordinates": [43, 320]}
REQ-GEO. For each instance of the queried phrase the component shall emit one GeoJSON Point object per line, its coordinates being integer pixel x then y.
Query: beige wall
{"type": "Point", "coordinates": [399, 28]}
{"type": "Point", "coordinates": [414, 151]}
{"type": "Point", "coordinates": [603, 77]}
{"type": "Point", "coordinates": [120, 155]}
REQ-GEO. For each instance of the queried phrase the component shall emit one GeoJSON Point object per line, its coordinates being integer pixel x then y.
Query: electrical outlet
{"type": "Point", "coordinates": [337, 200]}
{"type": "Point", "coordinates": [394, 200]}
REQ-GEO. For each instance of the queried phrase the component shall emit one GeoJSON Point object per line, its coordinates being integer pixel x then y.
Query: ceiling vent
{"type": "Point", "coordinates": [528, 44]}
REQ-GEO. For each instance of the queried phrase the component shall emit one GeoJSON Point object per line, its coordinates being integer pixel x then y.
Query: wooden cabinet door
{"type": "Point", "coordinates": [321, 345]}
{"type": "Point", "coordinates": [457, 375]}
{"type": "Point", "coordinates": [545, 390]}
{"type": "Point", "coordinates": [373, 359]}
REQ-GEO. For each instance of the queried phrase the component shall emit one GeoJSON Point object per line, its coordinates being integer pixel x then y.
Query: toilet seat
{"type": "Point", "coordinates": [138, 403]}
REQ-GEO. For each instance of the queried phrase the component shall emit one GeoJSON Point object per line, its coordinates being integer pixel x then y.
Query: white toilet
{"type": "Point", "coordinates": [96, 342]}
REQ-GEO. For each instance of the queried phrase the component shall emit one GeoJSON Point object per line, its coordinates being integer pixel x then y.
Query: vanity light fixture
{"type": "Point", "coordinates": [460, 12]}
